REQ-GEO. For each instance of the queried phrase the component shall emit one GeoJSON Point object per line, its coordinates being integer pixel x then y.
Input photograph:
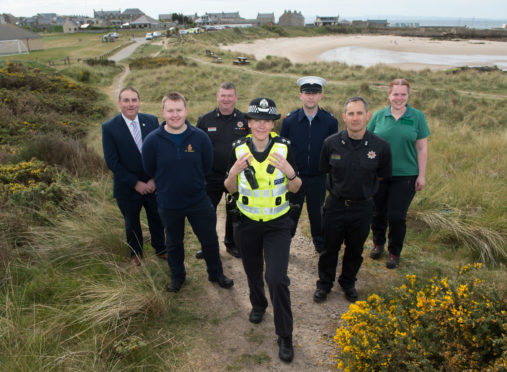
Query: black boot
{"type": "Point", "coordinates": [286, 352]}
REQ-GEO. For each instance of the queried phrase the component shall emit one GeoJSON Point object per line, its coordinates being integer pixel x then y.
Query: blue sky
{"type": "Point", "coordinates": [356, 9]}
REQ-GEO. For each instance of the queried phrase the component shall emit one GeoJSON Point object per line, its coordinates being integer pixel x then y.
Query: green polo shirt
{"type": "Point", "coordinates": [401, 135]}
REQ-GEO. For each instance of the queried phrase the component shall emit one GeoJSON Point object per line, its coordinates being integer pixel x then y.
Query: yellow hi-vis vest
{"type": "Point", "coordinates": [270, 200]}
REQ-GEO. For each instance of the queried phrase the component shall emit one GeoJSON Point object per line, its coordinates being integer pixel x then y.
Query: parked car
{"type": "Point", "coordinates": [157, 34]}
{"type": "Point", "coordinates": [149, 36]}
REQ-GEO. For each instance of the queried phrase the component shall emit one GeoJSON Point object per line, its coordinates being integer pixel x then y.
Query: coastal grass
{"type": "Point", "coordinates": [70, 301]}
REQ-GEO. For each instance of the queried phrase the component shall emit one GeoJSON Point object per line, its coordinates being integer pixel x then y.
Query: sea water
{"type": "Point", "coordinates": [369, 57]}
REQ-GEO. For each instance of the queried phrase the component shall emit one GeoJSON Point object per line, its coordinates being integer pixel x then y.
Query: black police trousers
{"type": "Point", "coordinates": [349, 223]}
{"type": "Point", "coordinates": [268, 242]}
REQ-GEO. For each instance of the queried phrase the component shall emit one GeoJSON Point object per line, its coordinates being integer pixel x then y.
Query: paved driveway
{"type": "Point", "coordinates": [127, 51]}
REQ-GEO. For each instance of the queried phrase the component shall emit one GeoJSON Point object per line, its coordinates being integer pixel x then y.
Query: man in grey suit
{"type": "Point", "coordinates": [122, 138]}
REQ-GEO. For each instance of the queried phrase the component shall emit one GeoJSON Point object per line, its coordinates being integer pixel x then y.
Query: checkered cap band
{"type": "Point", "coordinates": [254, 109]}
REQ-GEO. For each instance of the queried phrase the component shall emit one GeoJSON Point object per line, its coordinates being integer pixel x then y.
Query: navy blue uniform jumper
{"type": "Point", "coordinates": [179, 173]}
{"type": "Point", "coordinates": [306, 140]}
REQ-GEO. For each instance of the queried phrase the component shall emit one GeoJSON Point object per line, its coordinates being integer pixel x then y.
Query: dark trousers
{"type": "Point", "coordinates": [313, 189]}
{"type": "Point", "coordinates": [215, 189]}
{"type": "Point", "coordinates": [131, 211]}
{"type": "Point", "coordinates": [391, 205]}
{"type": "Point", "coordinates": [203, 219]}
{"type": "Point", "coordinates": [349, 224]}
{"type": "Point", "coordinates": [268, 242]}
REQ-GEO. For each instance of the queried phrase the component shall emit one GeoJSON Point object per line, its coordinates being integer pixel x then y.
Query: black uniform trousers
{"type": "Point", "coordinates": [131, 210]}
{"type": "Point", "coordinates": [314, 189]}
{"type": "Point", "coordinates": [347, 222]}
{"type": "Point", "coordinates": [268, 242]}
{"type": "Point", "coordinates": [215, 189]}
{"type": "Point", "coordinates": [391, 206]}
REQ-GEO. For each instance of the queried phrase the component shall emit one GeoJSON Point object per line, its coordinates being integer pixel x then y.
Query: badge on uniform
{"type": "Point", "coordinates": [371, 155]}
{"type": "Point", "coordinates": [212, 129]}
{"type": "Point", "coordinates": [336, 157]}
{"type": "Point", "coordinates": [279, 181]}
{"type": "Point", "coordinates": [240, 124]}
{"type": "Point", "coordinates": [189, 148]}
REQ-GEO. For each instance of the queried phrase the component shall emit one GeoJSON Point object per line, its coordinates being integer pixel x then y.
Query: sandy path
{"type": "Point", "coordinates": [308, 49]}
{"type": "Point", "coordinates": [237, 344]}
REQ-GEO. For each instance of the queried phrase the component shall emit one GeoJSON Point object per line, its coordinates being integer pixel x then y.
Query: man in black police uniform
{"type": "Point", "coordinates": [355, 161]}
{"type": "Point", "coordinates": [224, 125]}
{"type": "Point", "coordinates": [307, 128]}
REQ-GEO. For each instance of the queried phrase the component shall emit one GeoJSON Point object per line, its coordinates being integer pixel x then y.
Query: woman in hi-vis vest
{"type": "Point", "coordinates": [262, 172]}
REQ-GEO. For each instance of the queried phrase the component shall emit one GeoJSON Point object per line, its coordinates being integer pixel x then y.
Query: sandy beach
{"type": "Point", "coordinates": [310, 49]}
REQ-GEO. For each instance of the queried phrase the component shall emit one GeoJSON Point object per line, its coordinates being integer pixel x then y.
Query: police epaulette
{"type": "Point", "coordinates": [281, 140]}
{"type": "Point", "coordinates": [290, 113]}
{"type": "Point", "coordinates": [239, 142]}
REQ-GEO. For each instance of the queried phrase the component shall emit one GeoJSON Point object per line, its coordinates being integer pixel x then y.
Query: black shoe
{"type": "Point", "coordinates": [256, 316]}
{"type": "Point", "coordinates": [351, 294]}
{"type": "Point", "coordinates": [174, 286]}
{"type": "Point", "coordinates": [377, 251]}
{"type": "Point", "coordinates": [222, 281]}
{"type": "Point", "coordinates": [233, 251]}
{"type": "Point", "coordinates": [393, 261]}
{"type": "Point", "coordinates": [320, 295]}
{"type": "Point", "coordinates": [286, 352]}
{"type": "Point", "coordinates": [199, 255]}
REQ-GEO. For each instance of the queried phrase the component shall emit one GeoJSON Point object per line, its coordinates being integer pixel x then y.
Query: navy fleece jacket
{"type": "Point", "coordinates": [178, 171]}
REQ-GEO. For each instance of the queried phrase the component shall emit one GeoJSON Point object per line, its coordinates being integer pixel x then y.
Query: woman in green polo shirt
{"type": "Point", "coordinates": [407, 132]}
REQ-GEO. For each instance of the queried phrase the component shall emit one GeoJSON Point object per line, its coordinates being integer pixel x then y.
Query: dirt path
{"type": "Point", "coordinates": [236, 344]}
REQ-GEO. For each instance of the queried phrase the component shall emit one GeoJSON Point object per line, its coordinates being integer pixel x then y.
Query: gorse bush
{"type": "Point", "coordinates": [444, 324]}
{"type": "Point", "coordinates": [32, 102]}
{"type": "Point", "coordinates": [154, 62]}
{"type": "Point", "coordinates": [34, 184]}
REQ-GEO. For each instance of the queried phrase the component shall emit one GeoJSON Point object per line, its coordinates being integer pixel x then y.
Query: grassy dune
{"type": "Point", "coordinates": [69, 300]}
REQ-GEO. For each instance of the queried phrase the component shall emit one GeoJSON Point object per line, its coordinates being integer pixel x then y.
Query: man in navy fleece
{"type": "Point", "coordinates": [178, 156]}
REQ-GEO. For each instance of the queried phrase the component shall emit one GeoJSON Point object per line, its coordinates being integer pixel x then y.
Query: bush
{"type": "Point", "coordinates": [70, 154]}
{"type": "Point", "coordinates": [32, 184]}
{"type": "Point", "coordinates": [99, 62]}
{"type": "Point", "coordinates": [273, 64]}
{"type": "Point", "coordinates": [154, 62]}
{"type": "Point", "coordinates": [84, 76]}
{"type": "Point", "coordinates": [34, 102]}
{"type": "Point", "coordinates": [446, 325]}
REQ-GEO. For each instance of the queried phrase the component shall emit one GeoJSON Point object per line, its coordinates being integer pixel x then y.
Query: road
{"type": "Point", "coordinates": [127, 51]}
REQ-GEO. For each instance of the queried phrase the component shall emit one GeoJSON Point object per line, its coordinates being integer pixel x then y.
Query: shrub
{"type": "Point", "coordinates": [273, 63]}
{"type": "Point", "coordinates": [70, 154]}
{"type": "Point", "coordinates": [84, 76]}
{"type": "Point", "coordinates": [35, 102]}
{"type": "Point", "coordinates": [154, 62]}
{"type": "Point", "coordinates": [99, 62]}
{"type": "Point", "coordinates": [449, 325]}
{"type": "Point", "coordinates": [33, 184]}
